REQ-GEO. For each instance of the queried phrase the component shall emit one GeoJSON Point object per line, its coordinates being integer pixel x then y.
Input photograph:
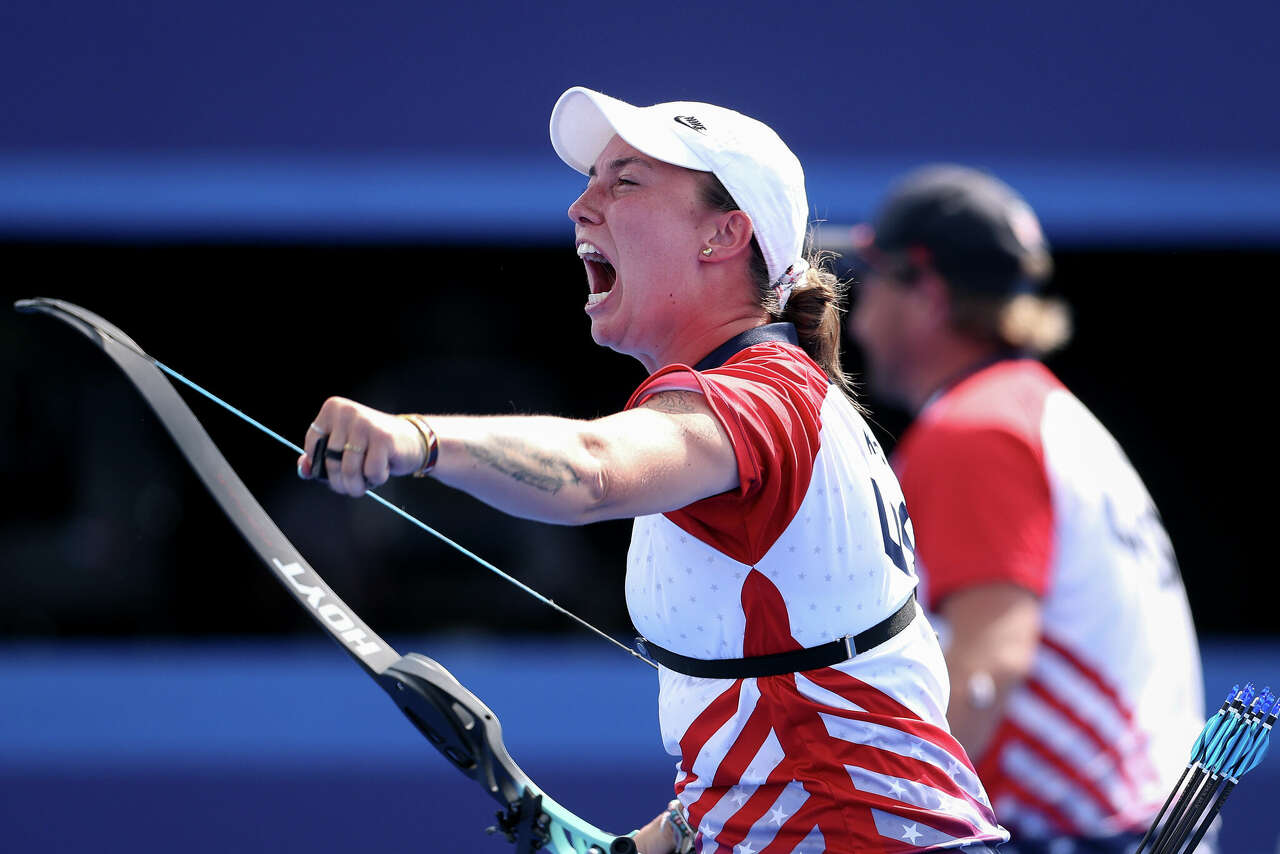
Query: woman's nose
{"type": "Point", "coordinates": [584, 210]}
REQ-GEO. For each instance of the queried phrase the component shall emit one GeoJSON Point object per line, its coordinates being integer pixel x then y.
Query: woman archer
{"type": "Point", "coordinates": [771, 565]}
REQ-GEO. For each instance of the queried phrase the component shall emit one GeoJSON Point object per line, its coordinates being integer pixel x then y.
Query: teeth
{"type": "Point", "coordinates": [588, 252]}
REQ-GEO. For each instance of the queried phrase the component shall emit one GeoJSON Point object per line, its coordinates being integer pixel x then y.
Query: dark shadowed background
{"type": "Point", "coordinates": [1167, 352]}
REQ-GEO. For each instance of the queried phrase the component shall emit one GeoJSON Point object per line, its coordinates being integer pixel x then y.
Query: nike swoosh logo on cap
{"type": "Point", "coordinates": [692, 123]}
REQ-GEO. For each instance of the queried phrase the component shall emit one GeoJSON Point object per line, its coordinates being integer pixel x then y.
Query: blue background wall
{"type": "Point", "coordinates": [288, 747]}
{"type": "Point", "coordinates": [1151, 121]}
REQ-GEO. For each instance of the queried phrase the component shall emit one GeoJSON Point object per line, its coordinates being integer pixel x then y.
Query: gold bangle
{"type": "Point", "coordinates": [430, 444]}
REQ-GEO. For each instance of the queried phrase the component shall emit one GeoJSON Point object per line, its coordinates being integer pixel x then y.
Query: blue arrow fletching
{"type": "Point", "coordinates": [1241, 747]}
{"type": "Point", "coordinates": [1259, 751]}
{"type": "Point", "coordinates": [1206, 735]}
{"type": "Point", "coordinates": [1228, 746]}
{"type": "Point", "coordinates": [1221, 738]}
{"type": "Point", "coordinates": [1211, 727]}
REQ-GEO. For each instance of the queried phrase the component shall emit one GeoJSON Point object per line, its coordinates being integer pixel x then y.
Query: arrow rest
{"type": "Point", "coordinates": [524, 823]}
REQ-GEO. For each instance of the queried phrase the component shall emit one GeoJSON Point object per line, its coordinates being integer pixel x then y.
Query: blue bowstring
{"type": "Point", "coordinates": [405, 515]}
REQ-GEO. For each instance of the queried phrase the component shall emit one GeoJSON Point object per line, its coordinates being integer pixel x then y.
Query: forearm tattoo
{"type": "Point", "coordinates": [523, 464]}
{"type": "Point", "coordinates": [676, 402]}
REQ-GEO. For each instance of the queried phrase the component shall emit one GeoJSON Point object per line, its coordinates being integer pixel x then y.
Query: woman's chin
{"type": "Point", "coordinates": [602, 334]}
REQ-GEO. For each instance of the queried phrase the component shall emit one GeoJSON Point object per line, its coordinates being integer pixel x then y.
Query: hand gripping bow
{"type": "Point", "coordinates": [452, 718]}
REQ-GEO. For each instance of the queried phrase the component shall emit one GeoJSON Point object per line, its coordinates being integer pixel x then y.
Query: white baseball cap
{"type": "Point", "coordinates": [756, 167]}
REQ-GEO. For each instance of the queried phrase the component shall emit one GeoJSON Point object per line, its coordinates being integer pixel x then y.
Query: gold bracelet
{"type": "Point", "coordinates": [430, 444]}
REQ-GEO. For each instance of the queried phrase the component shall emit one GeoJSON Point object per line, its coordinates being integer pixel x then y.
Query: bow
{"type": "Point", "coordinates": [453, 719]}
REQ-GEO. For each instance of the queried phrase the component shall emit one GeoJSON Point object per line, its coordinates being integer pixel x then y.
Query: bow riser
{"type": "Point", "coordinates": [452, 718]}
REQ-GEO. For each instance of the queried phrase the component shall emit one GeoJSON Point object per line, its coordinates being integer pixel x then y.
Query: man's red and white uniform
{"type": "Point", "coordinates": [1011, 479]}
{"type": "Point", "coordinates": [813, 545]}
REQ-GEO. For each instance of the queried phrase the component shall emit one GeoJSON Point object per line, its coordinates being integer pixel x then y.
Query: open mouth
{"type": "Point", "coordinates": [601, 274]}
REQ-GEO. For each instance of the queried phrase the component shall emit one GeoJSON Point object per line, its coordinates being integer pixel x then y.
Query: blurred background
{"type": "Point", "coordinates": [286, 201]}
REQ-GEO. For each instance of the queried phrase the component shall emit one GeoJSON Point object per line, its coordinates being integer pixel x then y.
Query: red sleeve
{"type": "Point", "coordinates": [981, 509]}
{"type": "Point", "coordinates": [771, 412]}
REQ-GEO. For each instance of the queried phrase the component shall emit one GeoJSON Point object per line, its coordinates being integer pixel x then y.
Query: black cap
{"type": "Point", "coordinates": [978, 233]}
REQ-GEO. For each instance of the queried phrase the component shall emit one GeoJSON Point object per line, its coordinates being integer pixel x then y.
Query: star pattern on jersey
{"type": "Point", "coordinates": [781, 585]}
{"type": "Point", "coordinates": [908, 794]}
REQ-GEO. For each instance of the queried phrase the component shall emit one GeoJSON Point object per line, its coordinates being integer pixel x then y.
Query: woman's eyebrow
{"type": "Point", "coordinates": [620, 163]}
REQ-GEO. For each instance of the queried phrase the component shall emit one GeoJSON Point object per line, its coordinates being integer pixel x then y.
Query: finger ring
{"type": "Point", "coordinates": [352, 448]}
{"type": "Point", "coordinates": [317, 427]}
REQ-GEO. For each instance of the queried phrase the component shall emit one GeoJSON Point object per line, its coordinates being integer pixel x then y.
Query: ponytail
{"type": "Point", "coordinates": [1028, 323]}
{"type": "Point", "coordinates": [814, 304]}
{"type": "Point", "coordinates": [814, 309]}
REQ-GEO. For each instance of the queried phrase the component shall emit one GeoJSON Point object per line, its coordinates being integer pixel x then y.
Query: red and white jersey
{"type": "Point", "coordinates": [1011, 479]}
{"type": "Point", "coordinates": [815, 544]}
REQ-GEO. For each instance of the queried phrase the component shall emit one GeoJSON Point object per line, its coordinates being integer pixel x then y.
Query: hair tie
{"type": "Point", "coordinates": [787, 282]}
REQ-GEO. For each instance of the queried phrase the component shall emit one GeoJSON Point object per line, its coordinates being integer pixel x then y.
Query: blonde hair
{"type": "Point", "coordinates": [1032, 324]}
{"type": "Point", "coordinates": [814, 305]}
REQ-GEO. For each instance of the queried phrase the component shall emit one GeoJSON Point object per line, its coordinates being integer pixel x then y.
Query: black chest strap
{"type": "Point", "coordinates": [796, 661]}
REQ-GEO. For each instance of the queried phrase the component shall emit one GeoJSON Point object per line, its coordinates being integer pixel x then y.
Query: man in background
{"type": "Point", "coordinates": [1075, 676]}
